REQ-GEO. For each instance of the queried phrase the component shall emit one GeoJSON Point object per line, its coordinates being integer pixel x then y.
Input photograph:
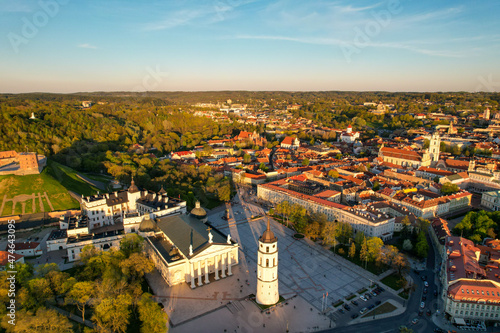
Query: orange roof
{"type": "Point", "coordinates": [4, 257]}
{"type": "Point", "coordinates": [401, 153]}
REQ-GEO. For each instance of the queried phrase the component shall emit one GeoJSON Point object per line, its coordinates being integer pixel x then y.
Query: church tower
{"type": "Point", "coordinates": [434, 147]}
{"type": "Point", "coordinates": [267, 268]}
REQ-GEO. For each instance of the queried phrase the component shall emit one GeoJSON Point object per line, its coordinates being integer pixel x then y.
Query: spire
{"type": "Point", "coordinates": [268, 235]}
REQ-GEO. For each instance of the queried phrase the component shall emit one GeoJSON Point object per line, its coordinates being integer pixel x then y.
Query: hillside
{"type": "Point", "coordinates": [45, 192]}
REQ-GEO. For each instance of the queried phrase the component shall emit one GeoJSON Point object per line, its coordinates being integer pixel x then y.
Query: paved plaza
{"type": "Point", "coordinates": [306, 273]}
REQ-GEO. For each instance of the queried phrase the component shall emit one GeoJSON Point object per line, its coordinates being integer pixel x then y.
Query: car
{"type": "Point", "coordinates": [424, 277]}
{"type": "Point", "coordinates": [371, 306]}
{"type": "Point", "coordinates": [341, 311]}
{"type": "Point", "coordinates": [414, 321]}
{"type": "Point", "coordinates": [381, 289]}
{"type": "Point", "coordinates": [426, 284]}
{"type": "Point", "coordinates": [377, 302]}
{"type": "Point", "coordinates": [354, 316]}
{"type": "Point", "coordinates": [347, 307]}
{"type": "Point", "coordinates": [425, 290]}
{"type": "Point", "coordinates": [435, 293]}
{"type": "Point", "coordinates": [368, 296]}
{"type": "Point", "coordinates": [420, 312]}
{"type": "Point", "coordinates": [354, 303]}
{"type": "Point", "coordinates": [374, 294]}
{"type": "Point", "coordinates": [363, 310]}
{"type": "Point", "coordinates": [422, 305]}
{"type": "Point", "coordinates": [363, 298]}
{"type": "Point", "coordinates": [438, 330]}
{"type": "Point", "coordinates": [424, 298]}
{"type": "Point", "coordinates": [428, 312]}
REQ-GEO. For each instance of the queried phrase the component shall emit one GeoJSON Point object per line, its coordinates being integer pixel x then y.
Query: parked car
{"type": "Point", "coordinates": [363, 298]}
{"type": "Point", "coordinates": [424, 277]}
{"type": "Point", "coordinates": [428, 312]}
{"type": "Point", "coordinates": [414, 321]}
{"type": "Point", "coordinates": [426, 284]}
{"type": "Point", "coordinates": [363, 310]}
{"type": "Point", "coordinates": [422, 305]}
{"type": "Point", "coordinates": [424, 298]}
{"type": "Point", "coordinates": [420, 312]}
{"type": "Point", "coordinates": [341, 311]}
{"type": "Point", "coordinates": [425, 290]}
{"type": "Point", "coordinates": [374, 293]}
{"type": "Point", "coordinates": [347, 307]}
{"type": "Point", "coordinates": [354, 316]}
{"type": "Point", "coordinates": [354, 303]}
{"type": "Point", "coordinates": [377, 302]}
{"type": "Point", "coordinates": [371, 306]}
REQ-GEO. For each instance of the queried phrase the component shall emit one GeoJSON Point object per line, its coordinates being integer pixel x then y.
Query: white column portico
{"type": "Point", "coordinates": [216, 261]}
{"type": "Point", "coordinates": [206, 272]}
{"type": "Point", "coordinates": [200, 283]}
{"type": "Point", "coordinates": [229, 273]}
{"type": "Point", "coordinates": [223, 275]}
{"type": "Point", "coordinates": [193, 284]}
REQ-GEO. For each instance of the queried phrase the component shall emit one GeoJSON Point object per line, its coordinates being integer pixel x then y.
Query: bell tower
{"type": "Point", "coordinates": [267, 268]}
{"type": "Point", "coordinates": [434, 147]}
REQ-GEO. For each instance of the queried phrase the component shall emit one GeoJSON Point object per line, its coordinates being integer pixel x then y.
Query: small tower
{"type": "Point", "coordinates": [472, 165]}
{"type": "Point", "coordinates": [486, 115]}
{"type": "Point", "coordinates": [434, 147]}
{"type": "Point", "coordinates": [267, 268]}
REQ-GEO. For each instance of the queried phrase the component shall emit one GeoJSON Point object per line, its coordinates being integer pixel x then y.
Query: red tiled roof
{"type": "Point", "coordinates": [4, 257]}
{"type": "Point", "coordinates": [401, 153]}
{"type": "Point", "coordinates": [25, 246]}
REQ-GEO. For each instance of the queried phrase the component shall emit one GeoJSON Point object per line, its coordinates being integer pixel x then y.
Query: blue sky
{"type": "Point", "coordinates": [74, 46]}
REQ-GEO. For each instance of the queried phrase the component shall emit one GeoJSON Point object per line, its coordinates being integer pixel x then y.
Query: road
{"type": "Point", "coordinates": [392, 324]}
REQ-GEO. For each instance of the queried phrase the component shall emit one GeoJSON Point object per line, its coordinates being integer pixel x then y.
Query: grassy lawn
{"type": "Point", "coordinates": [55, 179]}
{"type": "Point", "coordinates": [68, 178]}
{"type": "Point", "coordinates": [383, 308]}
{"type": "Point", "coordinates": [404, 294]}
{"type": "Point", "coordinates": [393, 281]}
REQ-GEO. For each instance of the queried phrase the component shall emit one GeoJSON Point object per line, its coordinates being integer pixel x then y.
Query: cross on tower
{"type": "Point", "coordinates": [208, 229]}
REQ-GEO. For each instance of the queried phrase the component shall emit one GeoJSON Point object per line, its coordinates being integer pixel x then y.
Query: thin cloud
{"type": "Point", "coordinates": [351, 9]}
{"type": "Point", "coordinates": [87, 46]}
{"type": "Point", "coordinates": [347, 43]}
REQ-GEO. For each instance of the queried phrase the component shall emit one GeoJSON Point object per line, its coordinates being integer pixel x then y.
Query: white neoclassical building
{"type": "Point", "coordinates": [185, 249]}
{"type": "Point", "coordinates": [267, 268]}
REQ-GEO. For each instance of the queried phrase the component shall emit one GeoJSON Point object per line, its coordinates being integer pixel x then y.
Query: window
{"type": "Point", "coordinates": [267, 248]}
{"type": "Point", "coordinates": [274, 261]}
{"type": "Point", "coordinates": [267, 262]}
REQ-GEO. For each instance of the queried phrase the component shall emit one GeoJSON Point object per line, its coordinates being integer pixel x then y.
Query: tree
{"type": "Point", "coordinates": [81, 294]}
{"type": "Point", "coordinates": [246, 158]}
{"type": "Point", "coordinates": [352, 250]}
{"type": "Point", "coordinates": [312, 230]}
{"type": "Point", "coordinates": [112, 314]}
{"type": "Point", "coordinates": [449, 188]}
{"type": "Point", "coordinates": [407, 245]}
{"type": "Point", "coordinates": [422, 247]}
{"type": "Point", "coordinates": [376, 185]}
{"type": "Point", "coordinates": [333, 173]}
{"type": "Point", "coordinates": [305, 162]}
{"type": "Point", "coordinates": [374, 244]}
{"type": "Point", "coordinates": [329, 233]}
{"type": "Point", "coordinates": [131, 243]}
{"type": "Point", "coordinates": [400, 263]}
{"type": "Point", "coordinates": [135, 266]}
{"type": "Point", "coordinates": [363, 253]}
{"type": "Point", "coordinates": [44, 321]}
{"type": "Point", "coordinates": [154, 319]}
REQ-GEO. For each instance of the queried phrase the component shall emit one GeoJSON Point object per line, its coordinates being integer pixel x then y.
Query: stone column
{"type": "Point", "coordinates": [223, 275]}
{"type": "Point", "coordinates": [229, 273]}
{"type": "Point", "coordinates": [206, 272]}
{"type": "Point", "coordinates": [193, 284]}
{"type": "Point", "coordinates": [216, 261]}
{"type": "Point", "coordinates": [200, 283]}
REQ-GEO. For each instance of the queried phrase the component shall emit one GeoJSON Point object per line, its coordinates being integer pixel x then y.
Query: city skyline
{"type": "Point", "coordinates": [63, 46]}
